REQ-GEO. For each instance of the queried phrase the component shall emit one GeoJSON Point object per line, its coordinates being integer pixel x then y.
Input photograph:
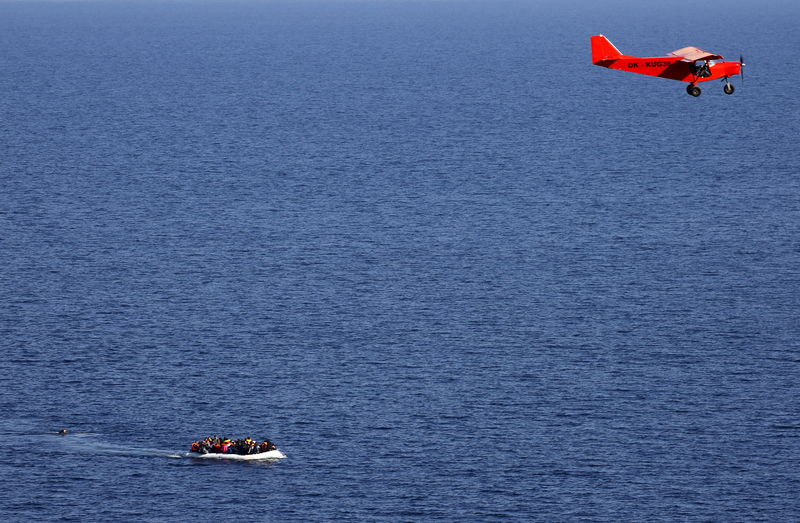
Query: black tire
{"type": "Point", "coordinates": [729, 88]}
{"type": "Point", "coordinates": [694, 90]}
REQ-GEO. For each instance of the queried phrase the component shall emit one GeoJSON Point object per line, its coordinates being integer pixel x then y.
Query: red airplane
{"type": "Point", "coordinates": [689, 64]}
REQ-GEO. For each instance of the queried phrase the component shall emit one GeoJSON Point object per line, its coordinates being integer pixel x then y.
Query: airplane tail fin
{"type": "Point", "coordinates": [603, 49]}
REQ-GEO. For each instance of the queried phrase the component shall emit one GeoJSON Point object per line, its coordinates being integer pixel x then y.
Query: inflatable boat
{"type": "Point", "coordinates": [271, 454]}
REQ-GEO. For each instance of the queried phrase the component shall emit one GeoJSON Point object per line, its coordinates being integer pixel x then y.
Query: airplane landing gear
{"type": "Point", "coordinates": [694, 90]}
{"type": "Point", "coordinates": [728, 88]}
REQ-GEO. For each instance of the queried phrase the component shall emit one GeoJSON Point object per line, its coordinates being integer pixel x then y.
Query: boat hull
{"type": "Point", "coordinates": [272, 454]}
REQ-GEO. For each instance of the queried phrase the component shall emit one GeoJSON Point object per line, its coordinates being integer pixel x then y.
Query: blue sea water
{"type": "Point", "coordinates": [452, 269]}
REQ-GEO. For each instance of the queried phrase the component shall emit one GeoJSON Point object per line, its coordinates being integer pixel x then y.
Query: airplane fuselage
{"type": "Point", "coordinates": [674, 68]}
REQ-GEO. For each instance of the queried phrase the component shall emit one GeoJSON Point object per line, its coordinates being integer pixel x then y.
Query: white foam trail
{"type": "Point", "coordinates": [85, 444]}
{"type": "Point", "coordinates": [93, 447]}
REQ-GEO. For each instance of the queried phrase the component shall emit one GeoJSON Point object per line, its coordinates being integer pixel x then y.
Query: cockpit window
{"type": "Point", "coordinates": [702, 69]}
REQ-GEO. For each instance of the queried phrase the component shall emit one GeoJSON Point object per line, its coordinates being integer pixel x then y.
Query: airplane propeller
{"type": "Point", "coordinates": [741, 67]}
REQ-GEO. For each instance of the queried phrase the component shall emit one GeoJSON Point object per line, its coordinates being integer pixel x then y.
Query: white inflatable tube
{"type": "Point", "coordinates": [272, 454]}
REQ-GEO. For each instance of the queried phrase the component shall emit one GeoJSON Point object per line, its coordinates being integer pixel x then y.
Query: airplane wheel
{"type": "Point", "coordinates": [729, 89]}
{"type": "Point", "coordinates": [694, 90]}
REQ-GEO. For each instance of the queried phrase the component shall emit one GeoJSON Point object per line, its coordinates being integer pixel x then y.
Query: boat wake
{"type": "Point", "coordinates": [86, 443]}
{"type": "Point", "coordinates": [110, 449]}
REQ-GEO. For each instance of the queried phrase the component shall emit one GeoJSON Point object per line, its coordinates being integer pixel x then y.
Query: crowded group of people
{"type": "Point", "coordinates": [219, 445]}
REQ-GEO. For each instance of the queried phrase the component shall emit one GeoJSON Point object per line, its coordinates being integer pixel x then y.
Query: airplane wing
{"type": "Point", "coordinates": [693, 54]}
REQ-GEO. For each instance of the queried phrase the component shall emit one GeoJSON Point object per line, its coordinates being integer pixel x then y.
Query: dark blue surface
{"type": "Point", "coordinates": [452, 269]}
